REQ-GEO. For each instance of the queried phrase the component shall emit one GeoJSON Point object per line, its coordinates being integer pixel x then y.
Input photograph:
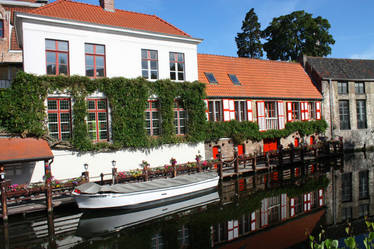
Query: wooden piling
{"type": "Point", "coordinates": [145, 173]}
{"type": "Point", "coordinates": [51, 232]}
{"type": "Point", "coordinates": [4, 203]}
{"type": "Point", "coordinates": [6, 235]}
{"type": "Point", "coordinates": [236, 163]}
{"type": "Point", "coordinates": [48, 185]}
{"type": "Point", "coordinates": [220, 166]}
{"type": "Point", "coordinates": [101, 179]}
{"type": "Point", "coordinates": [254, 162]}
{"type": "Point", "coordinates": [267, 159]}
{"type": "Point", "coordinates": [114, 175]}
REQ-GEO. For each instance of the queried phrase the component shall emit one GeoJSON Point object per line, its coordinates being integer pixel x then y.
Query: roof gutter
{"type": "Point", "coordinates": [346, 79]}
{"type": "Point", "coordinates": [24, 160]}
{"type": "Point", "coordinates": [87, 25]}
{"type": "Point", "coordinates": [21, 3]}
{"type": "Point", "coordinates": [253, 97]}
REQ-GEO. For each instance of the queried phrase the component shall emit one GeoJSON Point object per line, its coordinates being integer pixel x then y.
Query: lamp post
{"type": "Point", "coordinates": [3, 193]}
{"type": "Point", "coordinates": [85, 173]}
{"type": "Point", "coordinates": [114, 171]}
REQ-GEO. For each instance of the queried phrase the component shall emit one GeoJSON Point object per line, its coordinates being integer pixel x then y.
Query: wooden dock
{"type": "Point", "coordinates": [286, 163]}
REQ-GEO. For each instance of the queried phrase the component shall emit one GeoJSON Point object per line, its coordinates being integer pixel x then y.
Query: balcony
{"type": "Point", "coordinates": [5, 83]}
{"type": "Point", "coordinates": [271, 123]}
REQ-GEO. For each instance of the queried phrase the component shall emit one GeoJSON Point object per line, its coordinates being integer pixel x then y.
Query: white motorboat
{"type": "Point", "coordinates": [99, 223]}
{"type": "Point", "coordinates": [143, 194]}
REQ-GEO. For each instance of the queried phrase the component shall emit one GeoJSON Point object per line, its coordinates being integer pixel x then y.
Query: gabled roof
{"type": "Point", "coordinates": [82, 12]}
{"type": "Point", "coordinates": [332, 68]}
{"type": "Point", "coordinates": [258, 78]}
{"type": "Point", "coordinates": [14, 150]}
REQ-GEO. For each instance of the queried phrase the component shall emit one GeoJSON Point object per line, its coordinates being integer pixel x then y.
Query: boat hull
{"type": "Point", "coordinates": [142, 199]}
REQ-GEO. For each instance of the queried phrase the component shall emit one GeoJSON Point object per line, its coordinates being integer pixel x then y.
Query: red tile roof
{"type": "Point", "coordinates": [13, 41]}
{"type": "Point", "coordinates": [66, 9]}
{"type": "Point", "coordinates": [258, 78]}
{"type": "Point", "coordinates": [14, 150]}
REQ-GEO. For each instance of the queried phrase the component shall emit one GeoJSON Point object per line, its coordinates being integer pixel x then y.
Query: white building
{"type": "Point", "coordinates": [72, 38]}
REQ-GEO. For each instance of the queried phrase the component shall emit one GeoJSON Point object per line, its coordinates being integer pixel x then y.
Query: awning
{"type": "Point", "coordinates": [16, 150]}
{"type": "Point", "coordinates": [290, 233]}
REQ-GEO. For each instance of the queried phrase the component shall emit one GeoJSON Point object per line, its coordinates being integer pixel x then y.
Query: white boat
{"type": "Point", "coordinates": [100, 223]}
{"type": "Point", "coordinates": [143, 194]}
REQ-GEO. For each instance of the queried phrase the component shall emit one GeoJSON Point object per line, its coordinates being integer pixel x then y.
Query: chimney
{"type": "Point", "coordinates": [107, 5]}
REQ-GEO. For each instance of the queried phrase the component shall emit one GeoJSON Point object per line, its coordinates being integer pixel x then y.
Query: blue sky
{"type": "Point", "coordinates": [218, 21]}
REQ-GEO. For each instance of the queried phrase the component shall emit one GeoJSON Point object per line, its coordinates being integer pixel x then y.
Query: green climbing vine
{"type": "Point", "coordinates": [23, 112]}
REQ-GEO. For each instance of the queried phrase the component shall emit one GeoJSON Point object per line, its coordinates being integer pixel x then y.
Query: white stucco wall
{"type": "Point", "coordinates": [123, 51]}
{"type": "Point", "coordinates": [68, 164]}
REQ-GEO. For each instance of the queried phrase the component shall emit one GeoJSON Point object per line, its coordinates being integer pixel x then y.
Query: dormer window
{"type": "Point", "coordinates": [234, 79]}
{"type": "Point", "coordinates": [211, 78]}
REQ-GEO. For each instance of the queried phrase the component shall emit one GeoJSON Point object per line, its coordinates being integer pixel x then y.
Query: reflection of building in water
{"type": "Point", "coordinates": [349, 195]}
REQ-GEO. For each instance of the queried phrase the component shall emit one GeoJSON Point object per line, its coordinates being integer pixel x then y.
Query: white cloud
{"type": "Point", "coordinates": [366, 54]}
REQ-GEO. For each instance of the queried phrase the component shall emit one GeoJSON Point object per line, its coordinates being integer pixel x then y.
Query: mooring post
{"type": "Point", "coordinates": [145, 173]}
{"type": "Point", "coordinates": [173, 164]}
{"type": "Point", "coordinates": [51, 232]}
{"type": "Point", "coordinates": [198, 159]}
{"type": "Point", "coordinates": [3, 187]}
{"type": "Point", "coordinates": [220, 165]}
{"type": "Point", "coordinates": [236, 161]}
{"type": "Point", "coordinates": [254, 162]}
{"type": "Point", "coordinates": [48, 185]}
{"type": "Point", "coordinates": [267, 158]}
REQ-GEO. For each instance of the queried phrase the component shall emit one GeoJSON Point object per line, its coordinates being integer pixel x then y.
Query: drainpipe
{"type": "Point", "coordinates": [331, 108]}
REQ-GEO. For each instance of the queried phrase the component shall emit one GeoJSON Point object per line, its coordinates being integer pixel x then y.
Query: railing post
{"type": "Point", "coordinates": [236, 162]}
{"type": "Point", "coordinates": [114, 175]}
{"type": "Point", "coordinates": [254, 162]}
{"type": "Point", "coordinates": [101, 179]}
{"type": "Point", "coordinates": [48, 177]}
{"type": "Point", "coordinates": [220, 166]}
{"type": "Point", "coordinates": [198, 159]}
{"type": "Point", "coordinates": [145, 172]}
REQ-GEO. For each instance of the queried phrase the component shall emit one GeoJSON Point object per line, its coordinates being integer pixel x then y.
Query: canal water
{"type": "Point", "coordinates": [272, 209]}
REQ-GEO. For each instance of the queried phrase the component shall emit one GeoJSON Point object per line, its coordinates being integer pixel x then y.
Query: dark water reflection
{"type": "Point", "coordinates": [270, 210]}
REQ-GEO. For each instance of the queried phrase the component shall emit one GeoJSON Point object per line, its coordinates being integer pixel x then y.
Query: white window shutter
{"type": "Point", "coordinates": [306, 111]}
{"type": "Point", "coordinates": [292, 207]}
{"type": "Point", "coordinates": [318, 110]}
{"type": "Point", "coordinates": [249, 110]}
{"type": "Point", "coordinates": [302, 111]}
{"type": "Point", "coordinates": [284, 206]}
{"type": "Point", "coordinates": [289, 111]}
{"type": "Point", "coordinates": [281, 118]}
{"type": "Point", "coordinates": [253, 221]}
{"type": "Point", "coordinates": [226, 110]}
{"type": "Point", "coordinates": [261, 115]}
{"type": "Point", "coordinates": [232, 109]}
{"type": "Point", "coordinates": [206, 109]}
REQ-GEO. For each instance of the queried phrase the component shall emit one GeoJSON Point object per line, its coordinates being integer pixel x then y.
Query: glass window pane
{"type": "Point", "coordinates": [144, 54]}
{"type": "Point", "coordinates": [102, 116]}
{"type": "Point", "coordinates": [50, 44]}
{"type": "Point", "coordinates": [51, 57]}
{"type": "Point", "coordinates": [63, 69]}
{"type": "Point", "coordinates": [153, 65]}
{"type": "Point", "coordinates": [52, 128]}
{"type": "Point", "coordinates": [100, 72]}
{"type": "Point", "coordinates": [180, 76]}
{"type": "Point", "coordinates": [145, 74]}
{"type": "Point", "coordinates": [172, 56]}
{"type": "Point", "coordinates": [100, 49]}
{"type": "Point", "coordinates": [144, 64]}
{"type": "Point", "coordinates": [172, 66]}
{"type": "Point", "coordinates": [103, 135]}
{"type": "Point", "coordinates": [52, 104]}
{"type": "Point", "coordinates": [65, 136]}
{"type": "Point", "coordinates": [100, 61]}
{"type": "Point", "coordinates": [63, 58]}
{"type": "Point", "coordinates": [103, 125]}
{"type": "Point", "coordinates": [52, 117]}
{"type": "Point", "coordinates": [153, 55]}
{"type": "Point", "coordinates": [180, 66]}
{"type": "Point", "coordinates": [154, 75]}
{"type": "Point", "coordinates": [172, 75]}
{"type": "Point", "coordinates": [91, 105]}
{"type": "Point", "coordinates": [154, 104]}
{"type": "Point", "coordinates": [156, 132]}
{"type": "Point", "coordinates": [89, 48]}
{"type": "Point", "coordinates": [62, 45]}
{"type": "Point", "coordinates": [180, 57]}
{"type": "Point", "coordinates": [154, 115]}
{"type": "Point", "coordinates": [91, 116]}
{"type": "Point", "coordinates": [65, 117]}
{"type": "Point", "coordinates": [51, 69]}
{"type": "Point", "coordinates": [147, 115]}
{"type": "Point", "coordinates": [64, 104]}
{"type": "Point", "coordinates": [89, 71]}
{"type": "Point", "coordinates": [101, 104]}
{"type": "Point", "coordinates": [89, 60]}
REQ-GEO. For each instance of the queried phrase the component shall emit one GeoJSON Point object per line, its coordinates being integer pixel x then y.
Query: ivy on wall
{"type": "Point", "coordinates": [22, 111]}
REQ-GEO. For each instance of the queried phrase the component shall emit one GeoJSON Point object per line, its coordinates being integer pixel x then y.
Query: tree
{"type": "Point", "coordinates": [295, 34]}
{"type": "Point", "coordinates": [248, 41]}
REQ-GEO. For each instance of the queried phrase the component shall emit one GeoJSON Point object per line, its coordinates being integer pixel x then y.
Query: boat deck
{"type": "Point", "coordinates": [93, 188]}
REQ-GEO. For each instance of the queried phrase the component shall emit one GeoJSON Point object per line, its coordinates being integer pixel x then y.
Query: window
{"type": "Point", "coordinates": [57, 56]}
{"type": "Point", "coordinates": [210, 77]}
{"type": "Point", "coordinates": [347, 187]}
{"type": "Point", "coordinates": [241, 110]}
{"type": "Point", "coordinates": [271, 116]}
{"type": "Point", "coordinates": [97, 119]}
{"type": "Point", "coordinates": [359, 87]}
{"type": "Point", "coordinates": [234, 79]}
{"type": "Point", "coordinates": [2, 28]}
{"type": "Point", "coordinates": [215, 110]}
{"type": "Point", "coordinates": [95, 60]}
{"type": "Point", "coordinates": [363, 184]}
{"type": "Point", "coordinates": [149, 64]}
{"type": "Point", "coordinates": [346, 213]}
{"type": "Point", "coordinates": [176, 66]}
{"type": "Point", "coordinates": [312, 110]}
{"type": "Point", "coordinates": [344, 115]}
{"type": "Point", "coordinates": [361, 114]}
{"type": "Point", "coordinates": [59, 118]}
{"type": "Point", "coordinates": [295, 111]}
{"type": "Point", "coordinates": [179, 118]}
{"type": "Point", "coordinates": [342, 87]}
{"type": "Point", "coordinates": [363, 210]}
{"type": "Point", "coordinates": [152, 118]}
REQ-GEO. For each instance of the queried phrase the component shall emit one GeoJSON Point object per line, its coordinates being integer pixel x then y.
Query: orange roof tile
{"type": "Point", "coordinates": [14, 150]}
{"type": "Point", "coordinates": [66, 9]}
{"type": "Point", "coordinates": [258, 78]}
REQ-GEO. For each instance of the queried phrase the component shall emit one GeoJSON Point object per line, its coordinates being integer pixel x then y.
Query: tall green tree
{"type": "Point", "coordinates": [249, 41]}
{"type": "Point", "coordinates": [295, 34]}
